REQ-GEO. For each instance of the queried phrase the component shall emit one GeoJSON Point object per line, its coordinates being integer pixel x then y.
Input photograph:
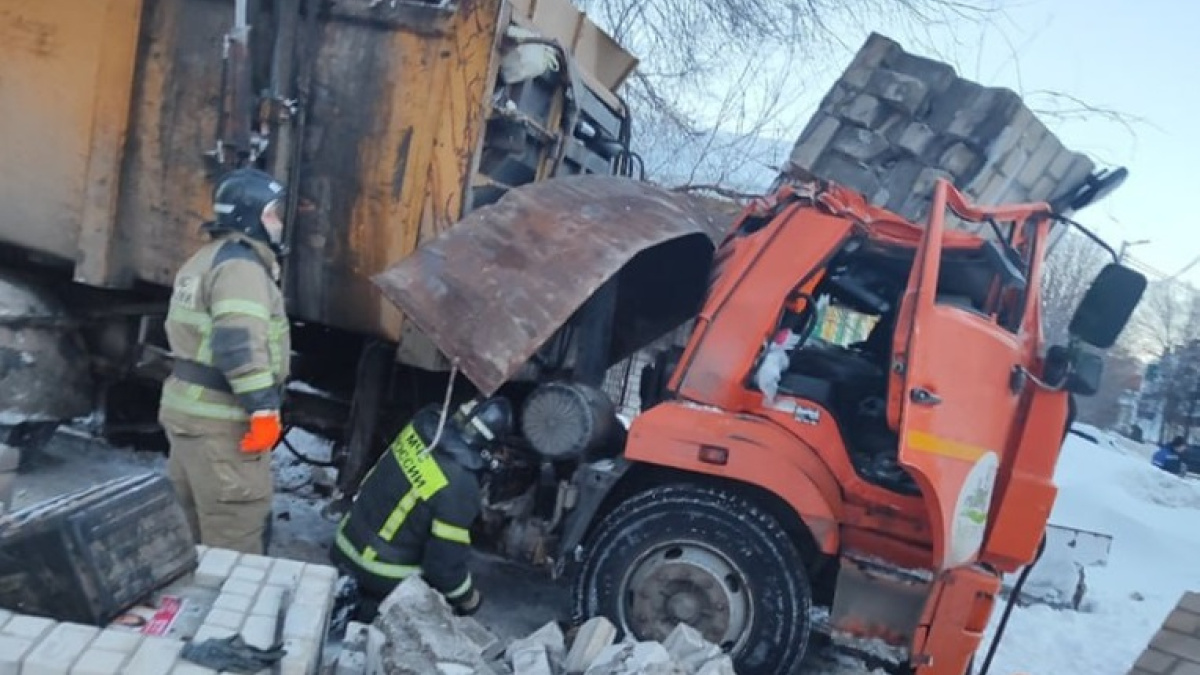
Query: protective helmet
{"type": "Point", "coordinates": [251, 202]}
{"type": "Point", "coordinates": [482, 423]}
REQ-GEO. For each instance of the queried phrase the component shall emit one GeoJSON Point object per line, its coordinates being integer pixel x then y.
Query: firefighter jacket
{"type": "Point", "coordinates": [228, 332]}
{"type": "Point", "coordinates": [412, 514]}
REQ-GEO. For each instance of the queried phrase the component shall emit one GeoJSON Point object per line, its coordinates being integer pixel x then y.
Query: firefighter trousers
{"type": "Point", "coordinates": [225, 492]}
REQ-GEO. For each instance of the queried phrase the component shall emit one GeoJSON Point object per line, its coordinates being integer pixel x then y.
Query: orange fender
{"type": "Point", "coordinates": [745, 449]}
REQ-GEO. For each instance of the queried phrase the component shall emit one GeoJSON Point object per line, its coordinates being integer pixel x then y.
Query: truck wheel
{"type": "Point", "coordinates": [703, 556]}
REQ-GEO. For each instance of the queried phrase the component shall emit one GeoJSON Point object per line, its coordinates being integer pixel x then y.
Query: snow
{"type": "Point", "coordinates": [1111, 488]}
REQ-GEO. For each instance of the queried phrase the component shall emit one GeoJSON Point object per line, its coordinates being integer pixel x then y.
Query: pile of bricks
{"type": "Point", "coordinates": [894, 123]}
{"type": "Point", "coordinates": [247, 592]}
{"type": "Point", "coordinates": [1175, 650]}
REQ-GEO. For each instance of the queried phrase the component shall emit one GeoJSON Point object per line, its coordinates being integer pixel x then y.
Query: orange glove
{"type": "Point", "coordinates": [265, 430]}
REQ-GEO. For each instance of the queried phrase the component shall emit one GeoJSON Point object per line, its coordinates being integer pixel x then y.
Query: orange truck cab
{"type": "Point", "coordinates": [891, 479]}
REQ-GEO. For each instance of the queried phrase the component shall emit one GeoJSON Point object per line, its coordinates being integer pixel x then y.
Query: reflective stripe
{"type": "Point", "coordinates": [373, 566]}
{"type": "Point", "coordinates": [461, 590]}
{"type": "Point", "coordinates": [202, 323]}
{"type": "Point", "coordinates": [245, 307]}
{"type": "Point", "coordinates": [276, 331]}
{"type": "Point", "coordinates": [398, 516]}
{"type": "Point", "coordinates": [454, 533]}
{"type": "Point", "coordinates": [207, 409]}
{"type": "Point", "coordinates": [254, 382]}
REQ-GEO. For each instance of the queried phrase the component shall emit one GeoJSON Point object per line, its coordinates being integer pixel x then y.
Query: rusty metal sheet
{"type": "Point", "coordinates": [496, 286]}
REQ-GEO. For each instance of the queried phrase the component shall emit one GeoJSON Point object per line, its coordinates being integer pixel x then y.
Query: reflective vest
{"type": "Point", "coordinates": [228, 333]}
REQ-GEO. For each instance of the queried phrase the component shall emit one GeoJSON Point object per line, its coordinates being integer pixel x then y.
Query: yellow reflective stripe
{"type": "Point", "coordinates": [398, 515]}
{"type": "Point", "coordinates": [245, 307]}
{"type": "Point", "coordinates": [275, 333]}
{"type": "Point", "coordinates": [373, 566]}
{"type": "Point", "coordinates": [255, 382]}
{"type": "Point", "coordinates": [192, 405]}
{"type": "Point", "coordinates": [181, 314]}
{"type": "Point", "coordinates": [461, 589]}
{"type": "Point", "coordinates": [938, 445]}
{"type": "Point", "coordinates": [454, 533]}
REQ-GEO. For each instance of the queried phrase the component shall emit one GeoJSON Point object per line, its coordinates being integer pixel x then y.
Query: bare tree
{"type": "Point", "coordinates": [1071, 266]}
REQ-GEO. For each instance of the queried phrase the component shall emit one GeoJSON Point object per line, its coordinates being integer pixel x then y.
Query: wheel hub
{"type": "Point", "coordinates": [687, 583]}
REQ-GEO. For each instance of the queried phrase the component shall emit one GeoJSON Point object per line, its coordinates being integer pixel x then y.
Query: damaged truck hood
{"type": "Point", "coordinates": [495, 287]}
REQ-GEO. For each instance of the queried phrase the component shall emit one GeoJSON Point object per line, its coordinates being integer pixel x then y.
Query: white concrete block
{"type": "Point", "coordinates": [233, 603]}
{"type": "Point", "coordinates": [254, 575]}
{"type": "Point", "coordinates": [320, 572]}
{"type": "Point", "coordinates": [207, 632]}
{"type": "Point", "coordinates": [301, 659]}
{"type": "Point", "coordinates": [593, 636]}
{"type": "Point", "coordinates": [215, 567]}
{"type": "Point", "coordinates": [240, 587]}
{"type": "Point", "coordinates": [305, 621]}
{"type": "Point", "coordinates": [5, 615]}
{"type": "Point", "coordinates": [12, 651]}
{"type": "Point", "coordinates": [32, 627]}
{"type": "Point", "coordinates": [156, 656]}
{"type": "Point", "coordinates": [189, 668]}
{"type": "Point", "coordinates": [721, 665]}
{"type": "Point", "coordinates": [201, 549]}
{"type": "Point", "coordinates": [531, 659]}
{"type": "Point", "coordinates": [259, 562]}
{"type": "Point", "coordinates": [99, 662]}
{"type": "Point", "coordinates": [285, 573]}
{"type": "Point", "coordinates": [56, 652]}
{"type": "Point", "coordinates": [223, 618]}
{"type": "Point", "coordinates": [268, 602]}
{"type": "Point", "coordinates": [259, 631]}
{"type": "Point", "coordinates": [117, 641]}
{"type": "Point", "coordinates": [549, 637]}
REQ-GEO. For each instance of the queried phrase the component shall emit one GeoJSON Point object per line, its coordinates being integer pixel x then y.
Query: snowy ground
{"type": "Point", "coordinates": [1106, 487]}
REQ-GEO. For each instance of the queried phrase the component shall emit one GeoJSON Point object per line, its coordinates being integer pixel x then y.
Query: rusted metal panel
{"type": "Point", "coordinates": [516, 271]}
{"type": "Point", "coordinates": [63, 96]}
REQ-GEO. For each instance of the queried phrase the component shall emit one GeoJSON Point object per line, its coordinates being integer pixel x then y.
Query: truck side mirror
{"type": "Point", "coordinates": [1077, 370]}
{"type": "Point", "coordinates": [1107, 305]}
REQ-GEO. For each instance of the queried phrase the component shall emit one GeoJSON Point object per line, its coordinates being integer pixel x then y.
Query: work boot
{"type": "Point", "coordinates": [10, 459]}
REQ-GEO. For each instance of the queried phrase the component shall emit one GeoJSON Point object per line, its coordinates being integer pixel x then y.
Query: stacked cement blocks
{"type": "Point", "coordinates": [1175, 650]}
{"type": "Point", "coordinates": [250, 591]}
{"type": "Point", "coordinates": [894, 123]}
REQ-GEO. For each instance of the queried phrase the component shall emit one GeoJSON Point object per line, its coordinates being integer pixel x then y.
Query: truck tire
{"type": "Point", "coordinates": [705, 556]}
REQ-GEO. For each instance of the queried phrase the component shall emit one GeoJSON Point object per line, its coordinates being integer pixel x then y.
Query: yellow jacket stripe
{"type": "Point", "coordinates": [454, 533]}
{"type": "Point", "coordinates": [385, 570]}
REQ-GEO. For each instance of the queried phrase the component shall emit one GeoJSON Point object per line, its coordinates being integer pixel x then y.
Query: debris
{"type": "Point", "coordinates": [687, 647]}
{"type": "Point", "coordinates": [232, 654]}
{"type": "Point", "coordinates": [592, 637]}
{"type": "Point", "coordinates": [549, 637]}
{"type": "Point", "coordinates": [419, 634]}
{"type": "Point", "coordinates": [10, 458]}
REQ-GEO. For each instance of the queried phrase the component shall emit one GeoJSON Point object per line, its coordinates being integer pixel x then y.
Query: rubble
{"type": "Point", "coordinates": [416, 632]}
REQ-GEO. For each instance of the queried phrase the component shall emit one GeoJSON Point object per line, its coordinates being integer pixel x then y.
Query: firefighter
{"type": "Point", "coordinates": [230, 339]}
{"type": "Point", "coordinates": [414, 510]}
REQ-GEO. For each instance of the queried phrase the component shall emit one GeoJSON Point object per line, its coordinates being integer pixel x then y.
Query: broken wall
{"type": "Point", "coordinates": [894, 123]}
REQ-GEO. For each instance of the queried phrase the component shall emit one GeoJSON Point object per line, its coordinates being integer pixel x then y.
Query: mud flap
{"type": "Point", "coordinates": [877, 609]}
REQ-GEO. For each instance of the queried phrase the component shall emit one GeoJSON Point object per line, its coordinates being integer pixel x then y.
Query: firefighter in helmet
{"type": "Point", "coordinates": [415, 508]}
{"type": "Point", "coordinates": [230, 340]}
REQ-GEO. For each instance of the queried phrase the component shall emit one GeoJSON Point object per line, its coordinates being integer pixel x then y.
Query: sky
{"type": "Point", "coordinates": [1138, 59]}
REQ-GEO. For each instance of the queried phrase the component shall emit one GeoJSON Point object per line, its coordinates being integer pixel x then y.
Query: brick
{"type": "Point", "coordinates": [239, 587]}
{"type": "Point", "coordinates": [305, 620]}
{"type": "Point", "coordinates": [268, 602]}
{"type": "Point", "coordinates": [1183, 621]}
{"type": "Point", "coordinates": [12, 651]}
{"type": "Point", "coordinates": [252, 575]}
{"type": "Point", "coordinates": [99, 662]}
{"type": "Point", "coordinates": [233, 603]}
{"type": "Point", "coordinates": [56, 652]}
{"type": "Point", "coordinates": [817, 136]}
{"type": "Point", "coordinates": [1153, 661]}
{"type": "Point", "coordinates": [258, 562]}
{"type": "Point", "coordinates": [285, 573]}
{"type": "Point", "coordinates": [156, 656]}
{"type": "Point", "coordinates": [117, 641]}
{"type": "Point", "coordinates": [1183, 646]}
{"type": "Point", "coordinates": [223, 618]}
{"type": "Point", "coordinates": [32, 627]}
{"type": "Point", "coordinates": [215, 567]}
{"type": "Point", "coordinates": [259, 631]}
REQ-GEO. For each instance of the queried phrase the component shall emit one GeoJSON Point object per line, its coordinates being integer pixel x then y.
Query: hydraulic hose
{"type": "Point", "coordinates": [1008, 608]}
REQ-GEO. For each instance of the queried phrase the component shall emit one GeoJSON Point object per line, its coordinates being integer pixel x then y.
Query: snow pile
{"type": "Point", "coordinates": [1110, 488]}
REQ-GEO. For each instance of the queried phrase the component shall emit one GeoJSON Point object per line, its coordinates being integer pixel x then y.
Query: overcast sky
{"type": "Point", "coordinates": [1139, 58]}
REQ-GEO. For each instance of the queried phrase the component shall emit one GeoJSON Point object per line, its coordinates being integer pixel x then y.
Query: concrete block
{"type": "Point", "coordinates": [849, 173]}
{"type": "Point", "coordinates": [531, 659]}
{"type": "Point", "coordinates": [490, 646]}
{"type": "Point", "coordinates": [629, 657]}
{"type": "Point", "coordinates": [117, 641]}
{"type": "Point", "coordinates": [915, 138]}
{"type": "Point", "coordinates": [12, 651]}
{"type": "Point", "coordinates": [549, 636]}
{"type": "Point", "coordinates": [188, 668]}
{"type": "Point", "coordinates": [900, 90]}
{"type": "Point", "coordinates": [253, 561]}
{"type": "Point", "coordinates": [268, 602]}
{"type": "Point", "coordinates": [1061, 164]}
{"type": "Point", "coordinates": [254, 575]}
{"type": "Point", "coordinates": [864, 110]}
{"type": "Point", "coordinates": [209, 632]}
{"type": "Point", "coordinates": [817, 136]}
{"type": "Point", "coordinates": [1039, 162]}
{"type": "Point", "coordinates": [285, 573]}
{"type": "Point", "coordinates": [99, 662]}
{"type": "Point", "coordinates": [156, 656]}
{"type": "Point", "coordinates": [239, 587]}
{"type": "Point", "coordinates": [300, 658]}
{"type": "Point", "coordinates": [961, 161]}
{"type": "Point", "coordinates": [259, 631]}
{"type": "Point", "coordinates": [936, 75]}
{"type": "Point", "coordinates": [874, 52]}
{"type": "Point", "coordinates": [351, 663]}
{"type": "Point", "coordinates": [689, 648]}
{"type": "Point", "coordinates": [56, 652]}
{"type": "Point", "coordinates": [31, 627]}
{"type": "Point", "coordinates": [593, 637]}
{"type": "Point", "coordinates": [215, 567]}
{"type": "Point", "coordinates": [5, 615]}
{"type": "Point", "coordinates": [233, 603]}
{"type": "Point", "coordinates": [323, 573]}
{"type": "Point", "coordinates": [223, 618]}
{"type": "Point", "coordinates": [860, 144]}
{"type": "Point", "coordinates": [1012, 163]}
{"type": "Point", "coordinates": [722, 665]}
{"type": "Point", "coordinates": [305, 620]}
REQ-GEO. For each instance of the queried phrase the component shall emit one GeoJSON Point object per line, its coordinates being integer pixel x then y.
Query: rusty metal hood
{"type": "Point", "coordinates": [492, 289]}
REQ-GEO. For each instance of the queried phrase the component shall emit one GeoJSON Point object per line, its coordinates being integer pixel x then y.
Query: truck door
{"type": "Point", "coordinates": [953, 392]}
